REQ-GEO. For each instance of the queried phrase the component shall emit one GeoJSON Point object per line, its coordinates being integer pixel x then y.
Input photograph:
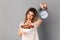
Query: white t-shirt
{"type": "Point", "coordinates": [33, 35]}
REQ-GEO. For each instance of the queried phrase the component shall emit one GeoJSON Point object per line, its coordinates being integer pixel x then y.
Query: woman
{"type": "Point", "coordinates": [31, 18]}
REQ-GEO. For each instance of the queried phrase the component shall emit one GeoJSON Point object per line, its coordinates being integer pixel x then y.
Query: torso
{"type": "Point", "coordinates": [31, 36]}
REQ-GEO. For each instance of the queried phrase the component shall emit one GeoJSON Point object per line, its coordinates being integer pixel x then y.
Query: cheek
{"type": "Point", "coordinates": [31, 17]}
{"type": "Point", "coordinates": [28, 16]}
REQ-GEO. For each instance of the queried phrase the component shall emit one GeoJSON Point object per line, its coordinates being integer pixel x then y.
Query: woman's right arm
{"type": "Point", "coordinates": [19, 33]}
{"type": "Point", "coordinates": [19, 30]}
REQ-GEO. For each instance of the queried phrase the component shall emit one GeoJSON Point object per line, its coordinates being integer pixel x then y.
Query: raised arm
{"type": "Point", "coordinates": [43, 13]}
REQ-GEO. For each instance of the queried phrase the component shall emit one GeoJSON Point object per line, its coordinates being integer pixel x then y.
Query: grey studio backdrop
{"type": "Point", "coordinates": [12, 12]}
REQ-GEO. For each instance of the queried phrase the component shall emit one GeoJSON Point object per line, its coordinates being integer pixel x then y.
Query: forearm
{"type": "Point", "coordinates": [19, 33]}
{"type": "Point", "coordinates": [38, 22]}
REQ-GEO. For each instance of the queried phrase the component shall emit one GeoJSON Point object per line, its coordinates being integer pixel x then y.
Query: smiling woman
{"type": "Point", "coordinates": [28, 28]}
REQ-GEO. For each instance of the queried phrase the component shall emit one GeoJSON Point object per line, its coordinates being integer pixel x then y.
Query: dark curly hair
{"type": "Point", "coordinates": [35, 14]}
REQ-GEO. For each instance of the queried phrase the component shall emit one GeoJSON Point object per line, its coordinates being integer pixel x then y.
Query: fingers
{"type": "Point", "coordinates": [43, 5]}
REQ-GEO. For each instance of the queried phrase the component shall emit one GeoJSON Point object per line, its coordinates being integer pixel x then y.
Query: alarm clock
{"type": "Point", "coordinates": [43, 14]}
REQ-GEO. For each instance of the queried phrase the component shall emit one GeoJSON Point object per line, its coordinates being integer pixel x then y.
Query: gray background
{"type": "Point", "coordinates": [12, 13]}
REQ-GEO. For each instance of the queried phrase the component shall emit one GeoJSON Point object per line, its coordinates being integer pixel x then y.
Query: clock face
{"type": "Point", "coordinates": [43, 14]}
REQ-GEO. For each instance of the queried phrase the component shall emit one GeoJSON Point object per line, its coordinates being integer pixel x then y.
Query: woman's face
{"type": "Point", "coordinates": [30, 15]}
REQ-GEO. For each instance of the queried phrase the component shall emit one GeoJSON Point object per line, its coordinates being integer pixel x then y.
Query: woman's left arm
{"type": "Point", "coordinates": [38, 22]}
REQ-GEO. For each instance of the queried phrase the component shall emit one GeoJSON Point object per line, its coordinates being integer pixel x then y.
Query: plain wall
{"type": "Point", "coordinates": [12, 12]}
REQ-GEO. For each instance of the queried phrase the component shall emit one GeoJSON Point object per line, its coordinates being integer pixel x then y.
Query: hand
{"type": "Point", "coordinates": [43, 5]}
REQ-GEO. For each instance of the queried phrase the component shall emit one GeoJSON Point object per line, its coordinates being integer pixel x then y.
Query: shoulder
{"type": "Point", "coordinates": [21, 23]}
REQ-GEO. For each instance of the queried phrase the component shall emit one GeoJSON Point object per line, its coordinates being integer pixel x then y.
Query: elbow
{"type": "Point", "coordinates": [41, 20]}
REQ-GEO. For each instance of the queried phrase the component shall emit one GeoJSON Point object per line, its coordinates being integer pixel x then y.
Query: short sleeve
{"type": "Point", "coordinates": [20, 25]}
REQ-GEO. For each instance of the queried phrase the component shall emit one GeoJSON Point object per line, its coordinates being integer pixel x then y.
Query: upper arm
{"type": "Point", "coordinates": [19, 26]}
